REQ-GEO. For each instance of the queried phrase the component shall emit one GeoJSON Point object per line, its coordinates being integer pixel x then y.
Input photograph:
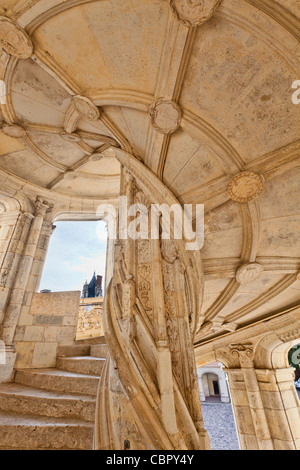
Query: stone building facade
{"type": "Point", "coordinates": [111, 108]}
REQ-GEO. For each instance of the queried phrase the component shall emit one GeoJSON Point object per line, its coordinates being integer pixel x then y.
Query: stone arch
{"type": "Point", "coordinates": [16, 202]}
{"type": "Point", "coordinates": [272, 350]}
{"type": "Point", "coordinates": [221, 378]}
{"type": "Point", "coordinates": [8, 204]}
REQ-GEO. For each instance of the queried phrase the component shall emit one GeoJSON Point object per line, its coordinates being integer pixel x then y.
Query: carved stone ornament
{"type": "Point", "coordinates": [14, 40]}
{"type": "Point", "coordinates": [42, 207]}
{"type": "Point", "coordinates": [245, 186]}
{"type": "Point", "coordinates": [165, 116]}
{"type": "Point", "coordinates": [244, 353]}
{"type": "Point", "coordinates": [248, 273]}
{"type": "Point", "coordinates": [194, 12]}
{"type": "Point", "coordinates": [168, 251]}
{"type": "Point", "coordinates": [86, 108]}
{"type": "Point", "coordinates": [70, 136]}
{"type": "Point", "coordinates": [14, 131]}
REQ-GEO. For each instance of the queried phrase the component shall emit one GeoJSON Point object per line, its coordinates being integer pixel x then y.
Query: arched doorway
{"type": "Point", "coordinates": [216, 407]}
{"type": "Point", "coordinates": [212, 383]}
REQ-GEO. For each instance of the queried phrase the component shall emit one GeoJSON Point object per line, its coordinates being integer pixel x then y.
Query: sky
{"type": "Point", "coordinates": [76, 250]}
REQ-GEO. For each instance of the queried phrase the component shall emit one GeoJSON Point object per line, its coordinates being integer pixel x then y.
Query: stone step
{"type": "Point", "coordinates": [99, 350]}
{"type": "Point", "coordinates": [90, 341]}
{"type": "Point", "coordinates": [73, 350]}
{"type": "Point", "coordinates": [58, 381]}
{"type": "Point", "coordinates": [21, 432]}
{"type": "Point", "coordinates": [81, 364]}
{"type": "Point", "coordinates": [22, 399]}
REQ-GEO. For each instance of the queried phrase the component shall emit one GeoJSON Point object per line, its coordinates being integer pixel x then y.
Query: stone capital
{"type": "Point", "coordinates": [244, 353]}
{"type": "Point", "coordinates": [42, 207]}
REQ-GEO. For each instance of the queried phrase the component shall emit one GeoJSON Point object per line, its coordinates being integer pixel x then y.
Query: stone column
{"type": "Point", "coordinates": [252, 425]}
{"type": "Point", "coordinates": [18, 282]}
{"type": "Point", "coordinates": [281, 405]}
{"type": "Point", "coordinates": [223, 389]}
{"type": "Point", "coordinates": [202, 394]}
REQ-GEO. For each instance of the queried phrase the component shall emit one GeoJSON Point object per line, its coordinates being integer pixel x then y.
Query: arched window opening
{"type": "Point", "coordinates": [216, 407]}
{"type": "Point", "coordinates": [76, 261]}
{"type": "Point", "coordinates": [76, 251]}
{"type": "Point", "coordinates": [294, 361]}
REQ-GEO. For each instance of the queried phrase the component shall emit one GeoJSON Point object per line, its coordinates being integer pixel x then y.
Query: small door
{"type": "Point", "coordinates": [216, 387]}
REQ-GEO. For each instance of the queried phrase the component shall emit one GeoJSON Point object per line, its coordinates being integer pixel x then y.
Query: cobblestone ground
{"type": "Point", "coordinates": [220, 426]}
{"type": "Point", "coordinates": [219, 423]}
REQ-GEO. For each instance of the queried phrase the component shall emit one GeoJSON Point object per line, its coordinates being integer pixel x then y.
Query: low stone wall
{"type": "Point", "coordinates": [51, 321]}
{"type": "Point", "coordinates": [90, 318]}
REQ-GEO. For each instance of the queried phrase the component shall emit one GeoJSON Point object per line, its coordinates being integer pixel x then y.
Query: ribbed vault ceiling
{"type": "Point", "coordinates": [95, 71]}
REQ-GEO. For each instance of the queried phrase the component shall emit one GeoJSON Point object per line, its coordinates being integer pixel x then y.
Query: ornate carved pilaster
{"type": "Point", "coordinates": [22, 272]}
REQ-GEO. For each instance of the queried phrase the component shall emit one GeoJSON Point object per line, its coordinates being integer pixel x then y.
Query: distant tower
{"type": "Point", "coordinates": [85, 288]}
{"type": "Point", "coordinates": [93, 288]}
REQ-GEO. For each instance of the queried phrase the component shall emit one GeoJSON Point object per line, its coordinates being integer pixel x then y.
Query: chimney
{"type": "Point", "coordinates": [99, 281]}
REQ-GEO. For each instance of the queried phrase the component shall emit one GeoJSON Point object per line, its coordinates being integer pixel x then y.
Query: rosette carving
{"type": "Point", "coordinates": [14, 40]}
{"type": "Point", "coordinates": [165, 116]}
{"type": "Point", "coordinates": [194, 12]}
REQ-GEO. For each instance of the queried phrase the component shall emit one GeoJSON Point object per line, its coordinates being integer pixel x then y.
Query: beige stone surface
{"type": "Point", "coordinates": [89, 323]}
{"type": "Point", "coordinates": [50, 321]}
{"type": "Point", "coordinates": [194, 99]}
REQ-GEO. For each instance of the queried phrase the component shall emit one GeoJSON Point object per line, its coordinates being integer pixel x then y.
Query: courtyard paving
{"type": "Point", "coordinates": [219, 423]}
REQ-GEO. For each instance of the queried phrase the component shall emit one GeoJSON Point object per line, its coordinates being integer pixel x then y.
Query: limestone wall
{"type": "Point", "coordinates": [90, 318]}
{"type": "Point", "coordinates": [51, 321]}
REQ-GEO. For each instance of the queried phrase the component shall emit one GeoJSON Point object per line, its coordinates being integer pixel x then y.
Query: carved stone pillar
{"type": "Point", "coordinates": [149, 391]}
{"type": "Point", "coordinates": [30, 227]}
{"type": "Point", "coordinates": [252, 425]}
{"type": "Point", "coordinates": [281, 405]}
